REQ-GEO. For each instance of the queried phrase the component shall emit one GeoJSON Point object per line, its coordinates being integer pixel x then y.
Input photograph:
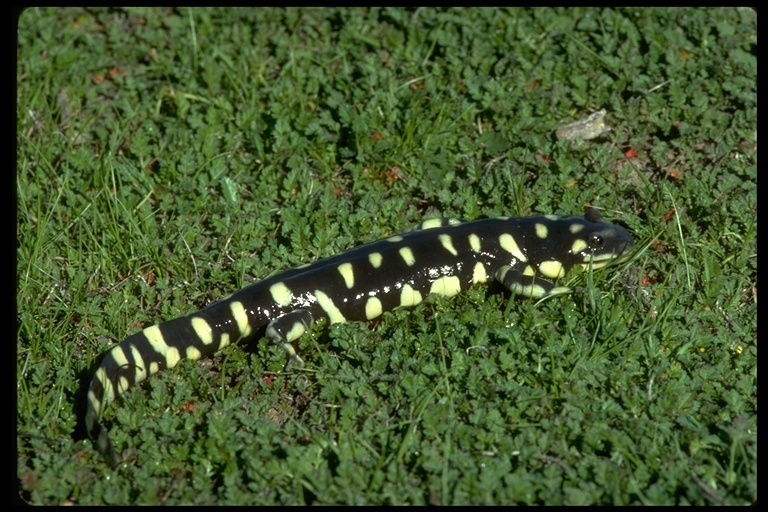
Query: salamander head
{"type": "Point", "coordinates": [598, 243]}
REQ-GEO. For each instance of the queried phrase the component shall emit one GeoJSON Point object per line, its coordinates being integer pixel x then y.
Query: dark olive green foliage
{"type": "Point", "coordinates": [167, 157]}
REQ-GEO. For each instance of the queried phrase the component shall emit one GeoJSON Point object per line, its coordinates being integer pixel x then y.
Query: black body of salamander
{"type": "Point", "coordinates": [440, 257]}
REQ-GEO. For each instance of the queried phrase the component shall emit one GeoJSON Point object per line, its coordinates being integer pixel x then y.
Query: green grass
{"type": "Point", "coordinates": [169, 157]}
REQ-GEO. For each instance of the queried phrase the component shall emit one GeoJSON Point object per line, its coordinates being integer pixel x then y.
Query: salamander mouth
{"type": "Point", "coordinates": [595, 261]}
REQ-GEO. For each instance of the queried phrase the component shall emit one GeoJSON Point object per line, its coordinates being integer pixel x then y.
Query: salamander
{"type": "Point", "coordinates": [439, 257]}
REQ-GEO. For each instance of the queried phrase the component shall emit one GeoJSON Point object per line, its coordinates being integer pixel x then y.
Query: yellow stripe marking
{"type": "Point", "coordinates": [119, 356]}
{"type": "Point", "coordinates": [193, 353]}
{"type": "Point", "coordinates": [122, 384]}
{"type": "Point", "coordinates": [501, 273]}
{"type": "Point", "coordinates": [598, 261]}
{"type": "Point", "coordinates": [578, 246]}
{"type": "Point", "coordinates": [474, 242]}
{"type": "Point", "coordinates": [295, 332]}
{"type": "Point", "coordinates": [559, 290]}
{"type": "Point", "coordinates": [409, 296]}
{"type": "Point", "coordinates": [202, 330]}
{"type": "Point", "coordinates": [92, 415]}
{"type": "Point", "coordinates": [528, 271]}
{"type": "Point", "coordinates": [447, 286]}
{"type": "Point", "coordinates": [139, 369]}
{"type": "Point", "coordinates": [479, 275]}
{"type": "Point", "coordinates": [541, 230]}
{"type": "Point", "coordinates": [552, 269]}
{"type": "Point", "coordinates": [281, 294]}
{"type": "Point", "coordinates": [241, 319]}
{"type": "Point", "coordinates": [345, 269]}
{"type": "Point", "coordinates": [529, 290]}
{"type": "Point", "coordinates": [407, 254]}
{"type": "Point", "coordinates": [509, 244]}
{"type": "Point", "coordinates": [155, 337]}
{"type": "Point", "coordinates": [375, 258]}
{"type": "Point", "coordinates": [373, 308]}
{"type": "Point", "coordinates": [605, 257]}
{"type": "Point", "coordinates": [334, 314]}
{"type": "Point", "coordinates": [448, 244]}
{"type": "Point", "coordinates": [431, 223]}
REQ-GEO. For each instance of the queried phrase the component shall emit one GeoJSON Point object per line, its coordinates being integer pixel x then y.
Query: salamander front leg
{"type": "Point", "coordinates": [527, 285]}
{"type": "Point", "coordinates": [288, 328]}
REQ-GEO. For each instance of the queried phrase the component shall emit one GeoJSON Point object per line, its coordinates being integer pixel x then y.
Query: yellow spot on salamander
{"type": "Point", "coordinates": [541, 230]}
{"type": "Point", "coordinates": [552, 269]}
{"type": "Point", "coordinates": [375, 258]}
{"type": "Point", "coordinates": [474, 242]}
{"type": "Point", "coordinates": [193, 353]}
{"type": "Point", "coordinates": [407, 254]}
{"type": "Point", "coordinates": [576, 228]}
{"type": "Point", "coordinates": [123, 384]}
{"type": "Point", "coordinates": [479, 275]}
{"type": "Point", "coordinates": [528, 290]}
{"type": "Point", "coordinates": [536, 291]}
{"type": "Point", "coordinates": [373, 308]}
{"type": "Point", "coordinates": [447, 286]}
{"type": "Point", "coordinates": [598, 260]}
{"type": "Point", "coordinates": [155, 337]}
{"type": "Point", "coordinates": [202, 330]}
{"type": "Point", "coordinates": [431, 223]}
{"type": "Point", "coordinates": [508, 243]}
{"type": "Point", "coordinates": [241, 319]}
{"type": "Point", "coordinates": [140, 371]}
{"type": "Point", "coordinates": [448, 244]}
{"type": "Point", "coordinates": [281, 294]}
{"type": "Point", "coordinates": [578, 245]}
{"type": "Point", "coordinates": [409, 296]}
{"type": "Point", "coordinates": [396, 238]}
{"type": "Point", "coordinates": [119, 356]}
{"type": "Point", "coordinates": [334, 314]}
{"type": "Point", "coordinates": [295, 332]}
{"type": "Point", "coordinates": [345, 269]}
{"type": "Point", "coordinates": [528, 271]}
{"type": "Point", "coordinates": [96, 405]}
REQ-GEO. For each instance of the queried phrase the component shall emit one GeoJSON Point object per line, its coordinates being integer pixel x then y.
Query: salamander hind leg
{"type": "Point", "coordinates": [287, 328]}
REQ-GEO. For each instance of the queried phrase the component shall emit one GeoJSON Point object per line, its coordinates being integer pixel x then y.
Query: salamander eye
{"type": "Point", "coordinates": [596, 242]}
